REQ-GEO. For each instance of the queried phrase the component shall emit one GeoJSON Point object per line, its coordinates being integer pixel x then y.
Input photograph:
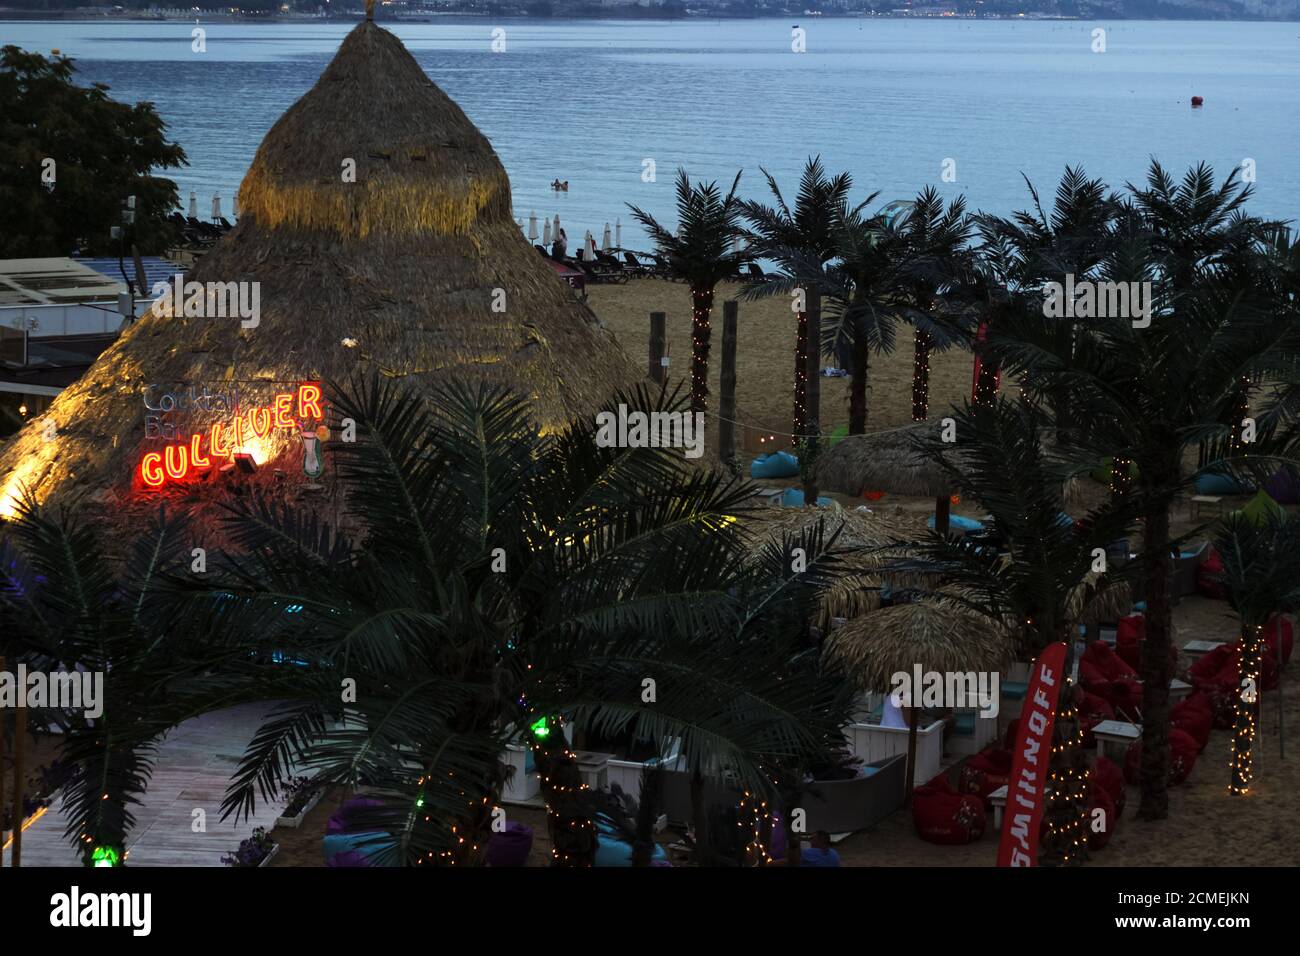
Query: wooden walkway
{"type": "Point", "coordinates": [194, 766]}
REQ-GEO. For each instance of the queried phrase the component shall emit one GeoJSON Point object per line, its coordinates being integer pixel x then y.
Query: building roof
{"type": "Point", "coordinates": [60, 281]}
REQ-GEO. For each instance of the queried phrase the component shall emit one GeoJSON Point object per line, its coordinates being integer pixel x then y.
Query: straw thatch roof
{"type": "Point", "coordinates": [938, 632]}
{"type": "Point", "coordinates": [860, 536]}
{"type": "Point", "coordinates": [886, 461]}
{"type": "Point", "coordinates": [418, 264]}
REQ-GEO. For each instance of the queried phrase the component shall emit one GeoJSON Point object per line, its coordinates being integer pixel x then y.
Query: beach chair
{"type": "Point", "coordinates": [636, 265]}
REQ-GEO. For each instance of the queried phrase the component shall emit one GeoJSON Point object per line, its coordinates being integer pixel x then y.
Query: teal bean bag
{"type": "Point", "coordinates": [793, 498]}
{"type": "Point", "coordinates": [959, 523]}
{"type": "Point", "coordinates": [611, 851]}
{"type": "Point", "coordinates": [779, 464]}
{"type": "Point", "coordinates": [1220, 485]}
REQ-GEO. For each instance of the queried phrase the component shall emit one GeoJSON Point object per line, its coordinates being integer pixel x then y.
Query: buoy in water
{"type": "Point", "coordinates": [1198, 101]}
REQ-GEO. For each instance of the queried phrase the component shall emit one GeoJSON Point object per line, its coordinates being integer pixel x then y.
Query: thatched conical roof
{"type": "Point", "coordinates": [413, 268]}
{"type": "Point", "coordinates": [888, 461]}
{"type": "Point", "coordinates": [939, 632]}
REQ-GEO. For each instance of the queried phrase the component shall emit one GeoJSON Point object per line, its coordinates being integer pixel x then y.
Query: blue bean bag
{"type": "Point", "coordinates": [347, 849]}
{"type": "Point", "coordinates": [779, 464]}
{"type": "Point", "coordinates": [1220, 485]}
{"type": "Point", "coordinates": [958, 523]}
{"type": "Point", "coordinates": [793, 498]}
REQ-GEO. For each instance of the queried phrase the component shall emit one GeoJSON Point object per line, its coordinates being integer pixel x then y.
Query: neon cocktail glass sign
{"type": "Point", "coordinates": [188, 455]}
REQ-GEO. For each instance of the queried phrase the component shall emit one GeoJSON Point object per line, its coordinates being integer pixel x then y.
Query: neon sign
{"type": "Point", "coordinates": [246, 435]}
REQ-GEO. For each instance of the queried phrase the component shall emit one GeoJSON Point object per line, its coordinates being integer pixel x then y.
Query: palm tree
{"type": "Point", "coordinates": [1261, 569]}
{"type": "Point", "coordinates": [70, 600]}
{"type": "Point", "coordinates": [1017, 257]}
{"type": "Point", "coordinates": [1150, 393]}
{"type": "Point", "coordinates": [802, 243]}
{"type": "Point", "coordinates": [701, 253]}
{"type": "Point", "coordinates": [935, 256]}
{"type": "Point", "coordinates": [865, 300]}
{"type": "Point", "coordinates": [504, 585]}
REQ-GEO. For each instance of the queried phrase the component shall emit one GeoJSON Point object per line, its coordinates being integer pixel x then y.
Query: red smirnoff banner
{"type": "Point", "coordinates": [1029, 761]}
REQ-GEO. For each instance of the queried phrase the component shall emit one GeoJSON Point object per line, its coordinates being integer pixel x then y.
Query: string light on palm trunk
{"type": "Point", "coordinates": [921, 378]}
{"type": "Point", "coordinates": [1241, 760]}
{"type": "Point", "coordinates": [1068, 792]}
{"type": "Point", "coordinates": [701, 308]}
{"type": "Point", "coordinates": [801, 375]}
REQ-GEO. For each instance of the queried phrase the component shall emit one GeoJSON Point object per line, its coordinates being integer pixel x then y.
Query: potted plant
{"type": "Point", "coordinates": [257, 850]}
{"type": "Point", "coordinates": [302, 793]}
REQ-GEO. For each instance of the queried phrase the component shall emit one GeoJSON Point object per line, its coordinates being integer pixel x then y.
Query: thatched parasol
{"type": "Point", "coordinates": [887, 461]}
{"type": "Point", "coordinates": [939, 632]}
{"type": "Point", "coordinates": [860, 535]}
{"type": "Point", "coordinates": [411, 266]}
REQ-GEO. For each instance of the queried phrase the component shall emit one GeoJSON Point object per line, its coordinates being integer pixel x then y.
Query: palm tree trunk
{"type": "Point", "coordinates": [921, 377]}
{"type": "Point", "coordinates": [799, 420]}
{"type": "Point", "coordinates": [858, 387]}
{"type": "Point", "coordinates": [568, 812]}
{"type": "Point", "coordinates": [701, 308]}
{"type": "Point", "coordinates": [700, 818]}
{"type": "Point", "coordinates": [1155, 664]}
{"type": "Point", "coordinates": [913, 719]}
{"type": "Point", "coordinates": [1066, 802]}
{"type": "Point", "coordinates": [1247, 720]}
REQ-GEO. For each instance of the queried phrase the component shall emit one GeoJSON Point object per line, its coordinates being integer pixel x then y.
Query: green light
{"type": "Point", "coordinates": [104, 856]}
{"type": "Point", "coordinates": [540, 730]}
{"type": "Point", "coordinates": [420, 802]}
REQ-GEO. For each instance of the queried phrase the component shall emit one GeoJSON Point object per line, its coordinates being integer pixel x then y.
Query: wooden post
{"type": "Point", "coordinates": [913, 718]}
{"type": "Point", "coordinates": [942, 508]}
{"type": "Point", "coordinates": [813, 393]}
{"type": "Point", "coordinates": [20, 731]}
{"type": "Point", "coordinates": [727, 404]}
{"type": "Point", "coordinates": [658, 374]}
{"type": "Point", "coordinates": [2, 770]}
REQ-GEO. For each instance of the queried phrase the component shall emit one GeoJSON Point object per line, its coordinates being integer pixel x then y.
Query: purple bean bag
{"type": "Point", "coordinates": [339, 822]}
{"type": "Point", "coordinates": [1284, 488]}
{"type": "Point", "coordinates": [511, 847]}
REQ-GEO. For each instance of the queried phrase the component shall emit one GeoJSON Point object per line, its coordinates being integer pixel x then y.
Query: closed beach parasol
{"type": "Point", "coordinates": [532, 226]}
{"type": "Point", "coordinates": [604, 239]}
{"type": "Point", "coordinates": [546, 232]}
{"type": "Point", "coordinates": [216, 206]}
{"type": "Point", "coordinates": [194, 205]}
{"type": "Point", "coordinates": [618, 233]}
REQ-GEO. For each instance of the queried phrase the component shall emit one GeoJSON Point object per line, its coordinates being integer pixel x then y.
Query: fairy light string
{"type": "Point", "coordinates": [1241, 760]}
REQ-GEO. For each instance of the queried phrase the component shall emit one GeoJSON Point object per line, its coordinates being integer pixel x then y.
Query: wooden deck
{"type": "Point", "coordinates": [194, 766]}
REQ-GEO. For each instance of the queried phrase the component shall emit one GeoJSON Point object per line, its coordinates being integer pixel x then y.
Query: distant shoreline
{"type": "Point", "coordinates": [210, 17]}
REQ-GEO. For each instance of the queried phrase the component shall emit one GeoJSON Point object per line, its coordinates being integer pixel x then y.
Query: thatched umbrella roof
{"type": "Point", "coordinates": [861, 535]}
{"type": "Point", "coordinates": [938, 632]}
{"type": "Point", "coordinates": [413, 268]}
{"type": "Point", "coordinates": [886, 461]}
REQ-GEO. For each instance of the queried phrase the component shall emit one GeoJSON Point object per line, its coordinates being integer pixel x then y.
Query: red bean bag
{"type": "Point", "coordinates": [943, 816]}
{"type": "Point", "coordinates": [1207, 582]}
{"type": "Point", "coordinates": [1195, 716]}
{"type": "Point", "coordinates": [1106, 774]}
{"type": "Point", "coordinates": [984, 773]}
{"type": "Point", "coordinates": [1103, 672]}
{"type": "Point", "coordinates": [1102, 662]}
{"type": "Point", "coordinates": [1100, 826]}
{"type": "Point", "coordinates": [1132, 631]}
{"type": "Point", "coordinates": [1215, 675]}
{"type": "Point", "coordinates": [1092, 711]}
{"type": "Point", "coordinates": [1182, 758]}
